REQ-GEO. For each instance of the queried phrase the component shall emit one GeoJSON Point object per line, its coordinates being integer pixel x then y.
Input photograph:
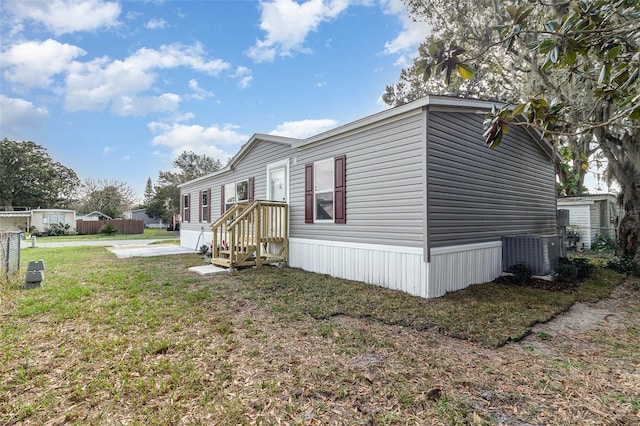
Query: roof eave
{"type": "Point", "coordinates": [244, 149]}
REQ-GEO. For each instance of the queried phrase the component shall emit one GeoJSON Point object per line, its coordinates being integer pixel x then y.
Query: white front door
{"type": "Point", "coordinates": [277, 181]}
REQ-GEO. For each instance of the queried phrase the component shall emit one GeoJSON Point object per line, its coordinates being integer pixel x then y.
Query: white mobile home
{"type": "Point", "coordinates": [409, 198]}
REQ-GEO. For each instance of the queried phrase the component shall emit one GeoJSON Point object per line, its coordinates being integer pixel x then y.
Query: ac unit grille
{"type": "Point", "coordinates": [539, 253]}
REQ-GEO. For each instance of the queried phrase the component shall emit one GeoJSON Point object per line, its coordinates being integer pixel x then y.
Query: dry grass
{"type": "Point", "coordinates": [141, 341]}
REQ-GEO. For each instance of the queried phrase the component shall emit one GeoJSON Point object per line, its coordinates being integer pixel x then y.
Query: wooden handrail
{"type": "Point", "coordinates": [248, 228]}
{"type": "Point", "coordinates": [228, 215]}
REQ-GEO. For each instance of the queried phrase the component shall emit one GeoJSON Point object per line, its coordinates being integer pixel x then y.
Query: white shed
{"type": "Point", "coordinates": [591, 215]}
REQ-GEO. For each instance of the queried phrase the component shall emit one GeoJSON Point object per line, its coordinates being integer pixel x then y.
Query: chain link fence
{"type": "Point", "coordinates": [9, 253]}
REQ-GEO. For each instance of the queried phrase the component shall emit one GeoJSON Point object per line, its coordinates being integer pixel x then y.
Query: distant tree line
{"type": "Point", "coordinates": [30, 178]}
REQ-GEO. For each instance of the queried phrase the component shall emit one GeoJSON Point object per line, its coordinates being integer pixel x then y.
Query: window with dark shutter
{"type": "Point", "coordinates": [325, 191]}
{"type": "Point", "coordinates": [200, 218]}
{"type": "Point", "coordinates": [204, 205]}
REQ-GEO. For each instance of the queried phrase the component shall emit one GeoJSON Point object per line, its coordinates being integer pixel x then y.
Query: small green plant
{"type": "Point", "coordinates": [570, 270]}
{"type": "Point", "coordinates": [108, 229]}
{"type": "Point", "coordinates": [521, 273]}
{"type": "Point", "coordinates": [542, 335]}
{"type": "Point", "coordinates": [624, 265]}
{"type": "Point", "coordinates": [566, 271]}
{"type": "Point", "coordinates": [603, 243]}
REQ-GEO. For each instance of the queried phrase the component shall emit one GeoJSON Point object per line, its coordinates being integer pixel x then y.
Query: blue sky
{"type": "Point", "coordinates": [118, 89]}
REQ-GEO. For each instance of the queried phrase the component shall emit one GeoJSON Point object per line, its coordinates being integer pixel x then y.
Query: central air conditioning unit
{"type": "Point", "coordinates": [539, 253]}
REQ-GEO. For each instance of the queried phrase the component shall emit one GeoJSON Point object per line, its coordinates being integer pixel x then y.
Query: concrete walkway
{"type": "Point", "coordinates": [138, 250]}
{"type": "Point", "coordinates": [50, 242]}
{"type": "Point", "coordinates": [121, 248]}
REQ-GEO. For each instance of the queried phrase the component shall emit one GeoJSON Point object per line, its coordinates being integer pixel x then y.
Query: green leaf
{"type": "Point", "coordinates": [519, 109]}
{"type": "Point", "coordinates": [465, 71]}
{"type": "Point", "coordinates": [546, 46]}
{"type": "Point", "coordinates": [613, 52]}
{"type": "Point", "coordinates": [570, 57]}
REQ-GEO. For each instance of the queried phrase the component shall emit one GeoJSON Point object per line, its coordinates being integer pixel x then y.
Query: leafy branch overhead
{"type": "Point", "coordinates": [436, 58]}
{"type": "Point", "coordinates": [594, 41]}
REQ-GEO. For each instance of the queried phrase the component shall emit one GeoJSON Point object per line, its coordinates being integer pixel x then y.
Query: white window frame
{"type": "Point", "coordinates": [185, 208]}
{"type": "Point", "coordinates": [204, 217]}
{"type": "Point", "coordinates": [234, 185]}
{"type": "Point", "coordinates": [46, 218]}
{"type": "Point", "coordinates": [331, 190]}
{"type": "Point", "coordinates": [278, 165]}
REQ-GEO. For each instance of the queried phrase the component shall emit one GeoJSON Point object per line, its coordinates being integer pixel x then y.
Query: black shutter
{"type": "Point", "coordinates": [308, 193]}
{"type": "Point", "coordinates": [209, 204]}
{"type": "Point", "coordinates": [340, 188]}
{"type": "Point", "coordinates": [221, 200]}
{"type": "Point", "coordinates": [200, 206]}
{"type": "Point", "coordinates": [252, 182]}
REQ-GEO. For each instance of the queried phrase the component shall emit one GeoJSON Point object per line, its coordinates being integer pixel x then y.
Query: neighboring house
{"type": "Point", "coordinates": [141, 214]}
{"type": "Point", "coordinates": [41, 219]}
{"type": "Point", "coordinates": [408, 198]}
{"type": "Point", "coordinates": [15, 220]}
{"type": "Point", "coordinates": [93, 216]}
{"type": "Point", "coordinates": [591, 215]}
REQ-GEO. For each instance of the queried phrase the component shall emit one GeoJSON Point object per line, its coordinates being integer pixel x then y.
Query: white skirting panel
{"type": "Point", "coordinates": [456, 267]}
{"type": "Point", "coordinates": [195, 239]}
{"type": "Point", "coordinates": [397, 268]}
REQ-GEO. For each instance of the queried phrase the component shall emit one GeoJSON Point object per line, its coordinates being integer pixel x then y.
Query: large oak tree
{"type": "Point", "coordinates": [30, 178]}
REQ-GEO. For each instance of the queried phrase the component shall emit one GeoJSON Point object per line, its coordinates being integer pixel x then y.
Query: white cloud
{"type": "Point", "coordinates": [66, 16]}
{"type": "Point", "coordinates": [203, 140]}
{"type": "Point", "coordinates": [244, 76]}
{"type": "Point", "coordinates": [303, 128]}
{"type": "Point", "coordinates": [287, 24]}
{"type": "Point", "coordinates": [34, 63]}
{"type": "Point", "coordinates": [199, 93]}
{"type": "Point", "coordinates": [155, 24]}
{"type": "Point", "coordinates": [405, 45]}
{"type": "Point", "coordinates": [127, 105]}
{"type": "Point", "coordinates": [19, 115]}
{"type": "Point", "coordinates": [108, 150]}
{"type": "Point", "coordinates": [121, 83]}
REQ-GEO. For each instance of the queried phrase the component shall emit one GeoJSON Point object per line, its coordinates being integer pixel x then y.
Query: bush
{"type": "Point", "coordinates": [624, 265]}
{"type": "Point", "coordinates": [60, 229]}
{"type": "Point", "coordinates": [573, 269]}
{"type": "Point", "coordinates": [603, 243]}
{"type": "Point", "coordinates": [108, 229]}
{"type": "Point", "coordinates": [521, 273]}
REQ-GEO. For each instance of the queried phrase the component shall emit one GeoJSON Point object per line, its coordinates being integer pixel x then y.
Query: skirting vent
{"type": "Point", "coordinates": [539, 253]}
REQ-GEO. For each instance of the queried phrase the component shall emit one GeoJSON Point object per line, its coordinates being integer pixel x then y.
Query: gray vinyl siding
{"type": "Point", "coordinates": [476, 194]}
{"type": "Point", "coordinates": [254, 164]}
{"type": "Point", "coordinates": [384, 185]}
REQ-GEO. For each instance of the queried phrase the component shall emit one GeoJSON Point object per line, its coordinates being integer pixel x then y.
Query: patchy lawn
{"type": "Point", "coordinates": [142, 341]}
